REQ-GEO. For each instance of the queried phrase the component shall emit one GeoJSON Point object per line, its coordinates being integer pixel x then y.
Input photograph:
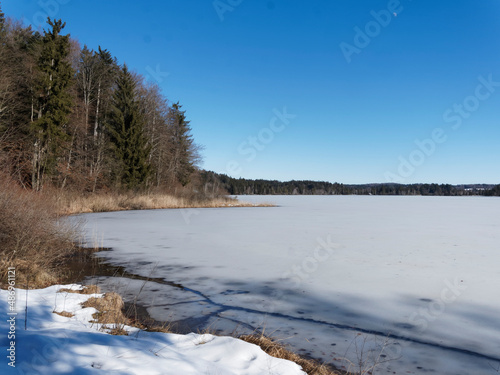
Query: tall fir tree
{"type": "Point", "coordinates": [86, 80]}
{"type": "Point", "coordinates": [107, 71]}
{"type": "Point", "coordinates": [2, 23]}
{"type": "Point", "coordinates": [53, 102]}
{"type": "Point", "coordinates": [126, 129]}
{"type": "Point", "coordinates": [184, 151]}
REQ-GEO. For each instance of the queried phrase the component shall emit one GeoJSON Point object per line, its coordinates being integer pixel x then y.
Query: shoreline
{"type": "Point", "coordinates": [74, 204]}
{"type": "Point", "coordinates": [87, 265]}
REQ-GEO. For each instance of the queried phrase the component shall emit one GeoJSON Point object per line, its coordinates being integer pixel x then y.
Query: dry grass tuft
{"type": "Point", "coordinates": [87, 289]}
{"type": "Point", "coordinates": [278, 350]}
{"type": "Point", "coordinates": [162, 328]}
{"type": "Point", "coordinates": [71, 203]}
{"type": "Point", "coordinates": [118, 330]}
{"type": "Point", "coordinates": [109, 309]}
{"type": "Point", "coordinates": [90, 289]}
{"type": "Point", "coordinates": [165, 328]}
{"type": "Point", "coordinates": [65, 314]}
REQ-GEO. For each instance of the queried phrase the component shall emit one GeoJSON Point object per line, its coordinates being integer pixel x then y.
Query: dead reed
{"type": "Point", "coordinates": [72, 203]}
{"type": "Point", "coordinates": [276, 349]}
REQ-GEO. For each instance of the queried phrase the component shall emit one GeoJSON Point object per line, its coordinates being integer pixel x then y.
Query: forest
{"type": "Point", "coordinates": [72, 117]}
{"type": "Point", "coordinates": [241, 186]}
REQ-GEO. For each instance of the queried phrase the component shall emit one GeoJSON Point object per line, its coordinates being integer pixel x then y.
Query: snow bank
{"type": "Point", "coordinates": [53, 344]}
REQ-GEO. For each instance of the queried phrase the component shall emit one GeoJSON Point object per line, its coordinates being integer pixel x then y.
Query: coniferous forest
{"type": "Point", "coordinates": [242, 186]}
{"type": "Point", "coordinates": [72, 117]}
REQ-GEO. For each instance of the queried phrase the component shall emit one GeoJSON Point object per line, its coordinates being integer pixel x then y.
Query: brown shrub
{"type": "Point", "coordinates": [32, 237]}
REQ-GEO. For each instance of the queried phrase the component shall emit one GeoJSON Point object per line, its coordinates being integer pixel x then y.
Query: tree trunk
{"type": "Point", "coordinates": [96, 125]}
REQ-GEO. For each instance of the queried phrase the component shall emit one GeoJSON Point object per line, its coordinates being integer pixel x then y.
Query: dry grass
{"type": "Point", "coordinates": [87, 289]}
{"type": "Point", "coordinates": [32, 237]}
{"type": "Point", "coordinates": [65, 314]}
{"type": "Point", "coordinates": [109, 308]}
{"type": "Point", "coordinates": [109, 312]}
{"type": "Point", "coordinates": [278, 350]}
{"type": "Point", "coordinates": [162, 328]}
{"type": "Point", "coordinates": [28, 274]}
{"type": "Point", "coordinates": [71, 203]}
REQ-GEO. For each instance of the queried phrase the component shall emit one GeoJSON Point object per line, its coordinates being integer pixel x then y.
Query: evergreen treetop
{"type": "Point", "coordinates": [127, 133]}
{"type": "Point", "coordinates": [2, 22]}
{"type": "Point", "coordinates": [54, 100]}
{"type": "Point", "coordinates": [182, 145]}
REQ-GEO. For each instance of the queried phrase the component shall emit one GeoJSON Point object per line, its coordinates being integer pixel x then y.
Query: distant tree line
{"type": "Point", "coordinates": [495, 191]}
{"type": "Point", "coordinates": [73, 117]}
{"type": "Point", "coordinates": [241, 186]}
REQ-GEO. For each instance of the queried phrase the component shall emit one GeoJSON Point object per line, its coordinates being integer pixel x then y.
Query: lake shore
{"type": "Point", "coordinates": [83, 267]}
{"type": "Point", "coordinates": [242, 267]}
{"type": "Point", "coordinates": [73, 204]}
{"type": "Point", "coordinates": [86, 269]}
{"type": "Point", "coordinates": [42, 248]}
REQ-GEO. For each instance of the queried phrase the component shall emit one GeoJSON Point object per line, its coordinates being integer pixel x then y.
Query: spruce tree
{"type": "Point", "coordinates": [107, 70]}
{"type": "Point", "coordinates": [126, 129]}
{"type": "Point", "coordinates": [183, 148]}
{"type": "Point", "coordinates": [54, 102]}
{"type": "Point", "coordinates": [2, 21]}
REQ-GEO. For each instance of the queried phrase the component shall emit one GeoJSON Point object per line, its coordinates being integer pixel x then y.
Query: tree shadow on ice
{"type": "Point", "coordinates": [362, 315]}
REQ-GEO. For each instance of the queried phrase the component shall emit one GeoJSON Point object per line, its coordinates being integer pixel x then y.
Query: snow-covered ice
{"type": "Point", "coordinates": [418, 276]}
{"type": "Point", "coordinates": [53, 344]}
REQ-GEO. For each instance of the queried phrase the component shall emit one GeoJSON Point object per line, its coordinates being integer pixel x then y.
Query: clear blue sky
{"type": "Point", "coordinates": [365, 80]}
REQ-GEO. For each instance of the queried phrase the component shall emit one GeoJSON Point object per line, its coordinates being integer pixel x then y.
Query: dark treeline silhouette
{"type": "Point", "coordinates": [240, 186]}
{"type": "Point", "coordinates": [495, 191]}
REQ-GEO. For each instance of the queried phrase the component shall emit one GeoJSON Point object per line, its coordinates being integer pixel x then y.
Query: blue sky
{"type": "Point", "coordinates": [347, 91]}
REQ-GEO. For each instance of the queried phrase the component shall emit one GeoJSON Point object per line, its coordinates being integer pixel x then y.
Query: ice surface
{"type": "Point", "coordinates": [418, 276]}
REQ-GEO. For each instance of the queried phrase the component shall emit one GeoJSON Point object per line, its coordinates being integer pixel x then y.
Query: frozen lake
{"type": "Point", "coordinates": [415, 279]}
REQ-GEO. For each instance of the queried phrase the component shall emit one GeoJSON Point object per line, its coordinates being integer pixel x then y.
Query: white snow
{"type": "Point", "coordinates": [318, 271]}
{"type": "Point", "coordinates": [53, 344]}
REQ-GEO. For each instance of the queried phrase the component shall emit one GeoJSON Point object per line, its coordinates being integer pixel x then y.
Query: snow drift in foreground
{"type": "Point", "coordinates": [54, 344]}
